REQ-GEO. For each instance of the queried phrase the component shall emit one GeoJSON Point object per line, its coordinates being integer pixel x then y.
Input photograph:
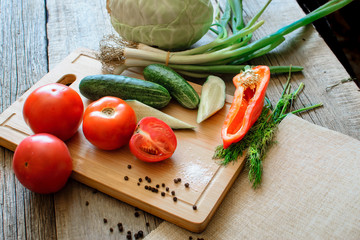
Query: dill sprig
{"type": "Point", "coordinates": [261, 135]}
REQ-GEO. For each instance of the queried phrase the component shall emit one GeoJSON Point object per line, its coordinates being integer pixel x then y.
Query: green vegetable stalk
{"type": "Point", "coordinates": [226, 54]}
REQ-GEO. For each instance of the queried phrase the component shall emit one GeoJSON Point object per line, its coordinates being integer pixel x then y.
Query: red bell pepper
{"type": "Point", "coordinates": [247, 104]}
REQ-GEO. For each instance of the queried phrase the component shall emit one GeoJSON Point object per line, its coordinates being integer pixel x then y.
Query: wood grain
{"type": "Point", "coordinates": [24, 215]}
{"type": "Point", "coordinates": [72, 25]}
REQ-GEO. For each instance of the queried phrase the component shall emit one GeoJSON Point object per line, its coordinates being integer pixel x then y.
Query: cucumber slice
{"type": "Point", "coordinates": [142, 110]}
{"type": "Point", "coordinates": [212, 98]}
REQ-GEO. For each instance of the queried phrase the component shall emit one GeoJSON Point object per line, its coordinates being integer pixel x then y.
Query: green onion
{"type": "Point", "coordinates": [227, 51]}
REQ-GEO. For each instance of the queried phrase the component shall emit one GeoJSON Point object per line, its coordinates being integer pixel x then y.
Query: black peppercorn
{"type": "Point", "coordinates": [111, 229]}
{"type": "Point", "coordinates": [179, 179]}
{"type": "Point", "coordinates": [105, 220]}
{"type": "Point", "coordinates": [163, 194]}
{"type": "Point", "coordinates": [87, 203]}
{"type": "Point", "coordinates": [194, 207]}
{"type": "Point", "coordinates": [129, 166]}
{"type": "Point", "coordinates": [163, 184]}
{"type": "Point", "coordinates": [137, 214]}
{"type": "Point", "coordinates": [140, 233]}
{"type": "Point", "coordinates": [126, 178]}
{"type": "Point", "coordinates": [140, 179]}
{"type": "Point", "coordinates": [175, 180]}
{"type": "Point", "coordinates": [167, 189]}
{"type": "Point", "coordinates": [120, 227]}
{"type": "Point", "coordinates": [187, 185]}
{"type": "Point", "coordinates": [173, 193]}
{"type": "Point", "coordinates": [157, 185]}
{"type": "Point", "coordinates": [175, 199]}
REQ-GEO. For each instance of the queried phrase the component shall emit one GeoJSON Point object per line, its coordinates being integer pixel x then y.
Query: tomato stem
{"type": "Point", "coordinates": [108, 111]}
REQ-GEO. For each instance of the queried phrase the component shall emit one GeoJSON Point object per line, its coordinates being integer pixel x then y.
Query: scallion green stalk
{"type": "Point", "coordinates": [226, 49]}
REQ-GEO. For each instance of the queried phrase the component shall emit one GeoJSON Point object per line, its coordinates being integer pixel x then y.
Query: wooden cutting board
{"type": "Point", "coordinates": [105, 170]}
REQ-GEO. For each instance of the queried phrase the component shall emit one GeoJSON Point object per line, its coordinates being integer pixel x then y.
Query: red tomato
{"type": "Point", "coordinates": [109, 122]}
{"type": "Point", "coordinates": [54, 108]}
{"type": "Point", "coordinates": [42, 163]}
{"type": "Point", "coordinates": [153, 140]}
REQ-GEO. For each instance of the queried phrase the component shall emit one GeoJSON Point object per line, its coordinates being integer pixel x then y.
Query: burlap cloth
{"type": "Point", "coordinates": [310, 190]}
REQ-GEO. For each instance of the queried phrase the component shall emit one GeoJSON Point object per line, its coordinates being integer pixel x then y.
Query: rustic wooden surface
{"type": "Point", "coordinates": [192, 161]}
{"type": "Point", "coordinates": [36, 35]}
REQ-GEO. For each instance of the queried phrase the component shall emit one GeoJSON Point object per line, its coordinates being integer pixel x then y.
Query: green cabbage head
{"type": "Point", "coordinates": [167, 24]}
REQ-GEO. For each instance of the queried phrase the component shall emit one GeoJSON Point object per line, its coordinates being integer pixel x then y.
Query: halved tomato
{"type": "Point", "coordinates": [153, 140]}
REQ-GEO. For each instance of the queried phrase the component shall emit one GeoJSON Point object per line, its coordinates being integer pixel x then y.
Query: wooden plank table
{"type": "Point", "coordinates": [36, 35]}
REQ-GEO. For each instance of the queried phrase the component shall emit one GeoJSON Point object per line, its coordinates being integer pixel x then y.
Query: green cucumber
{"type": "Point", "coordinates": [177, 86]}
{"type": "Point", "coordinates": [95, 87]}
